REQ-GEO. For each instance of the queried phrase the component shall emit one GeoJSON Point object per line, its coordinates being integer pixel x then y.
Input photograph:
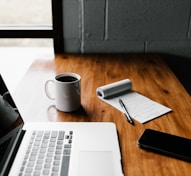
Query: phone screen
{"type": "Point", "coordinates": [165, 143]}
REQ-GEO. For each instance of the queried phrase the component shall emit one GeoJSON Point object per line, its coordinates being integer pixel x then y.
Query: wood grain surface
{"type": "Point", "coordinates": [150, 76]}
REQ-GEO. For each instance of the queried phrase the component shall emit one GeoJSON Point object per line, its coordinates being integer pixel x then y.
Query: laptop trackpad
{"type": "Point", "coordinates": [96, 163]}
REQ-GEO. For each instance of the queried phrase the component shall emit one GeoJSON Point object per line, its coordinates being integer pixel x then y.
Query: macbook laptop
{"type": "Point", "coordinates": [55, 148]}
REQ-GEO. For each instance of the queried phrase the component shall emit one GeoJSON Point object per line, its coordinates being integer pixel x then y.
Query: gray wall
{"type": "Point", "coordinates": [121, 26]}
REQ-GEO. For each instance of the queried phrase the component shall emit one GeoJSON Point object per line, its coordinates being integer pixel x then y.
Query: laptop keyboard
{"type": "Point", "coordinates": [48, 153]}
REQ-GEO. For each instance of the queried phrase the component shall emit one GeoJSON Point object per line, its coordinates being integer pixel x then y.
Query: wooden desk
{"type": "Point", "coordinates": [150, 76]}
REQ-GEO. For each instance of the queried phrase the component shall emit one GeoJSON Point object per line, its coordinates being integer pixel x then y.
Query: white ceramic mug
{"type": "Point", "coordinates": [67, 91]}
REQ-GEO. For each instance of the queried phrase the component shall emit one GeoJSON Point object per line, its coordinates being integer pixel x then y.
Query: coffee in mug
{"type": "Point", "coordinates": [66, 79]}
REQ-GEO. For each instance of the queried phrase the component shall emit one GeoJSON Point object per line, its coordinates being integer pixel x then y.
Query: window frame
{"type": "Point", "coordinates": [41, 31]}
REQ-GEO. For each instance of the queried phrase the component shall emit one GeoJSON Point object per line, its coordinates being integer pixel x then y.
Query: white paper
{"type": "Point", "coordinates": [139, 107]}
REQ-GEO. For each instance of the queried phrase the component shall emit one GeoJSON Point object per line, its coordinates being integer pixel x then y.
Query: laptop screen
{"type": "Point", "coordinates": [10, 122]}
{"type": "Point", "coordinates": [9, 115]}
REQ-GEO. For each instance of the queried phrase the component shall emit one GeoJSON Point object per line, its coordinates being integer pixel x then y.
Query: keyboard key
{"type": "Point", "coordinates": [40, 134]}
{"type": "Point", "coordinates": [46, 172]}
{"type": "Point", "coordinates": [50, 149]}
{"type": "Point", "coordinates": [32, 158]}
{"type": "Point", "coordinates": [37, 173]}
{"type": "Point", "coordinates": [42, 150]}
{"type": "Point", "coordinates": [65, 165]}
{"type": "Point", "coordinates": [47, 133]}
{"type": "Point", "coordinates": [35, 148]}
{"type": "Point", "coordinates": [58, 152]}
{"type": "Point", "coordinates": [67, 146]}
{"type": "Point", "coordinates": [30, 164]}
{"type": "Point", "coordinates": [54, 174]}
{"type": "Point", "coordinates": [54, 134]}
{"type": "Point", "coordinates": [59, 147]}
{"type": "Point", "coordinates": [46, 166]}
{"type": "Point", "coordinates": [57, 157]}
{"type": "Point", "coordinates": [29, 170]}
{"type": "Point", "coordinates": [46, 137]}
{"type": "Point", "coordinates": [34, 153]}
{"type": "Point", "coordinates": [41, 156]}
{"type": "Point", "coordinates": [61, 135]}
{"type": "Point", "coordinates": [39, 163]}
{"type": "Point", "coordinates": [24, 162]}
{"type": "Point", "coordinates": [51, 144]}
{"type": "Point", "coordinates": [37, 143]}
{"type": "Point", "coordinates": [55, 169]}
{"type": "Point", "coordinates": [66, 152]}
{"type": "Point", "coordinates": [53, 140]}
{"type": "Point", "coordinates": [59, 142]}
{"type": "Point", "coordinates": [22, 169]}
{"type": "Point", "coordinates": [56, 163]}
{"type": "Point", "coordinates": [49, 155]}
{"type": "Point", "coordinates": [48, 160]}
{"type": "Point", "coordinates": [67, 137]}
{"type": "Point", "coordinates": [38, 167]}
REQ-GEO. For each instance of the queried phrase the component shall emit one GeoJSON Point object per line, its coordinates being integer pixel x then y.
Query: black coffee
{"type": "Point", "coordinates": [67, 79]}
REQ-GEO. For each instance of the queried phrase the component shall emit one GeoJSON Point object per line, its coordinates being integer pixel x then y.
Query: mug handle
{"type": "Point", "coordinates": [47, 91]}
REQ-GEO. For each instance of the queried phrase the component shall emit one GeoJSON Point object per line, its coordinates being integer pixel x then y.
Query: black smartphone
{"type": "Point", "coordinates": [166, 144]}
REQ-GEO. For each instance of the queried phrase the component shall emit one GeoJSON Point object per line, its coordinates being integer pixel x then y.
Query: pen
{"type": "Point", "coordinates": [126, 113]}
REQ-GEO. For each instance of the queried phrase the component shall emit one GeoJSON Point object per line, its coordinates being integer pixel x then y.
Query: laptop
{"type": "Point", "coordinates": [55, 148]}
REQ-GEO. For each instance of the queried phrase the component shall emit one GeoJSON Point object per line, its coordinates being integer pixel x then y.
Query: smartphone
{"type": "Point", "coordinates": [166, 144]}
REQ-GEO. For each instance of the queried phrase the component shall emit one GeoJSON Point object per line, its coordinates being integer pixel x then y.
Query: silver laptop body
{"type": "Point", "coordinates": [59, 148]}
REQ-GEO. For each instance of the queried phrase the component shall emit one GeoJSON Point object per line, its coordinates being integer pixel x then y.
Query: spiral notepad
{"type": "Point", "coordinates": [140, 107]}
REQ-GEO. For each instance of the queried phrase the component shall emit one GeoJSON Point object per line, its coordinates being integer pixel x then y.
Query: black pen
{"type": "Point", "coordinates": [126, 113]}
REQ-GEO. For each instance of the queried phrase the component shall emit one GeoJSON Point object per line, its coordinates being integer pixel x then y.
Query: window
{"type": "Point", "coordinates": [26, 23]}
